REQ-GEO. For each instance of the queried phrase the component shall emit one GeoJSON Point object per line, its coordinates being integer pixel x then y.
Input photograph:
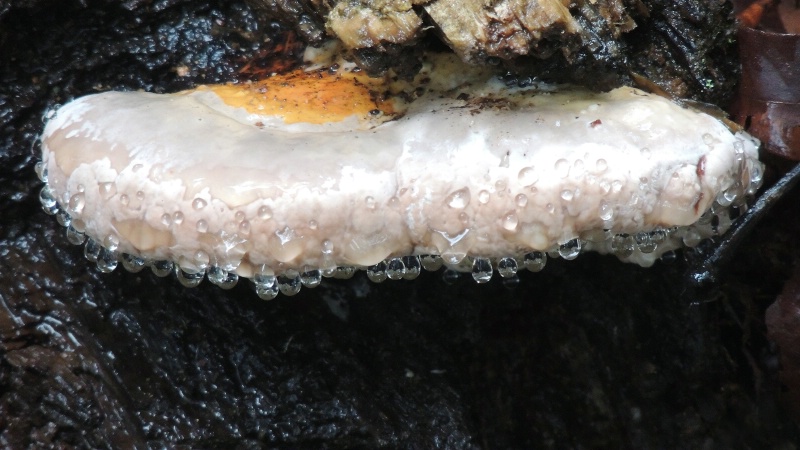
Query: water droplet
{"type": "Point", "coordinates": [550, 208]}
{"type": "Point", "coordinates": [41, 171]}
{"type": "Point", "coordinates": [570, 249]}
{"type": "Point", "coordinates": [377, 273]}
{"type": "Point", "coordinates": [327, 247]}
{"type": "Point", "coordinates": [708, 139]}
{"type": "Point", "coordinates": [74, 236]}
{"type": "Point", "coordinates": [601, 165]}
{"type": "Point", "coordinates": [691, 237]}
{"type": "Point", "coordinates": [264, 212]}
{"type": "Point", "coordinates": [395, 269]}
{"type": "Point", "coordinates": [111, 242]}
{"type": "Point", "coordinates": [482, 270]}
{"type": "Point", "coordinates": [344, 272]}
{"type": "Point", "coordinates": [645, 242]}
{"type": "Point", "coordinates": [107, 260]}
{"type": "Point", "coordinates": [312, 224]}
{"type": "Point", "coordinates": [77, 202]}
{"type": "Point", "coordinates": [567, 195]}
{"type": "Point", "coordinates": [606, 211]}
{"type": "Point", "coordinates": [483, 197]}
{"type": "Point", "coordinates": [413, 267]}
{"type": "Point", "coordinates": [202, 226]}
{"type": "Point", "coordinates": [311, 277]}
{"type": "Point", "coordinates": [137, 167]}
{"type": "Point", "coordinates": [521, 200]}
{"type": "Point", "coordinates": [166, 219]}
{"type": "Point", "coordinates": [131, 263]}
{"type": "Point", "coordinates": [464, 219]}
{"type": "Point", "coordinates": [646, 153]}
{"type": "Point", "coordinates": [91, 250]}
{"type": "Point", "coordinates": [528, 176]}
{"type": "Point", "coordinates": [63, 219]}
{"type": "Point", "coordinates": [616, 186]}
{"type": "Point", "coordinates": [198, 204]}
{"type": "Point", "coordinates": [459, 199]}
{"type": "Point", "coordinates": [244, 227]}
{"type": "Point", "coordinates": [431, 263]}
{"type": "Point", "coordinates": [289, 283]}
{"type": "Point", "coordinates": [124, 199]}
{"type": "Point", "coordinates": [107, 190]}
{"type": "Point", "coordinates": [47, 200]}
{"type": "Point", "coordinates": [562, 168]}
{"type": "Point", "coordinates": [188, 279]}
{"type": "Point", "coordinates": [222, 278]}
{"type": "Point", "coordinates": [140, 195]}
{"type": "Point", "coordinates": [510, 221]}
{"type": "Point", "coordinates": [500, 186]}
{"type": "Point", "coordinates": [370, 202]}
{"type": "Point", "coordinates": [507, 267]}
{"type": "Point", "coordinates": [535, 261]}
{"type": "Point", "coordinates": [161, 268]}
{"type": "Point", "coordinates": [623, 245]}
{"type": "Point", "coordinates": [394, 202]}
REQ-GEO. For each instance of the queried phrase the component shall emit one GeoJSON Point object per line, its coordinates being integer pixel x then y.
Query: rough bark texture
{"type": "Point", "coordinates": [685, 46]}
{"type": "Point", "coordinates": [589, 353]}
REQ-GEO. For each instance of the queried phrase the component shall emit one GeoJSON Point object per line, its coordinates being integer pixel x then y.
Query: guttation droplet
{"type": "Point", "coordinates": [528, 176]}
{"type": "Point", "coordinates": [570, 249]}
{"type": "Point", "coordinates": [459, 199]}
{"type": "Point", "coordinates": [510, 221]}
{"type": "Point", "coordinates": [199, 203]}
{"type": "Point", "coordinates": [482, 270]}
{"type": "Point", "coordinates": [507, 267]}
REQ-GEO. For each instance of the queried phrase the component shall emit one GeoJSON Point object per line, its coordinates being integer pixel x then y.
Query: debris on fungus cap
{"type": "Point", "coordinates": [323, 172]}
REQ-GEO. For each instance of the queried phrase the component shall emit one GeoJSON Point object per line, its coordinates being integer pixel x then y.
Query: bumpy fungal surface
{"type": "Point", "coordinates": [324, 172]}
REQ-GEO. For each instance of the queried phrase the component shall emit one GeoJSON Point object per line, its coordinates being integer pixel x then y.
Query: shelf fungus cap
{"type": "Point", "coordinates": [319, 170]}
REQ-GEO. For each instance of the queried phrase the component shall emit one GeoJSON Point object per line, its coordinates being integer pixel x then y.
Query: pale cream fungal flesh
{"type": "Point", "coordinates": [319, 173]}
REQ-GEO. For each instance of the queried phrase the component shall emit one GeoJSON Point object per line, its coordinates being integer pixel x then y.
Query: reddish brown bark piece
{"type": "Point", "coordinates": [783, 328]}
{"type": "Point", "coordinates": [769, 94]}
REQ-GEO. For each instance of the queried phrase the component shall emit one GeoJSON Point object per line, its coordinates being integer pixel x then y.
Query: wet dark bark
{"type": "Point", "coordinates": [589, 353]}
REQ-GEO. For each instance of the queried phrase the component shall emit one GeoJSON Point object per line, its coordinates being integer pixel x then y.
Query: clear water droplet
{"type": "Point", "coordinates": [521, 200]}
{"type": "Point", "coordinates": [222, 278]}
{"type": "Point", "coordinates": [111, 242]}
{"type": "Point", "coordinates": [527, 176]}
{"type": "Point", "coordinates": [370, 202]}
{"type": "Point", "coordinates": [124, 200]}
{"type": "Point", "coordinates": [312, 224]}
{"type": "Point", "coordinates": [606, 211]}
{"type": "Point", "coordinates": [484, 196]}
{"type": "Point", "coordinates": [535, 261]}
{"type": "Point", "coordinates": [131, 263]}
{"type": "Point", "coordinates": [482, 270]}
{"type": "Point", "coordinates": [507, 267]}
{"type": "Point", "coordinates": [645, 242]}
{"type": "Point", "coordinates": [63, 219]}
{"type": "Point", "coordinates": [646, 153]}
{"type": "Point", "coordinates": [41, 171]}
{"type": "Point", "coordinates": [161, 268]}
{"type": "Point", "coordinates": [202, 226]}
{"type": "Point", "coordinates": [567, 195]}
{"type": "Point", "coordinates": [91, 250]}
{"type": "Point", "coordinates": [198, 204]}
{"type": "Point", "coordinates": [601, 165]}
{"type": "Point", "coordinates": [708, 139]}
{"type": "Point", "coordinates": [450, 276]}
{"type": "Point", "coordinates": [570, 249]}
{"type": "Point", "coordinates": [562, 168]}
{"type": "Point", "coordinates": [77, 202]}
{"type": "Point", "coordinates": [327, 247]}
{"type": "Point", "coordinates": [289, 283]}
{"type": "Point", "coordinates": [413, 267]}
{"type": "Point", "coordinates": [459, 199]}
{"type": "Point", "coordinates": [377, 272]}
{"type": "Point", "coordinates": [344, 272]}
{"type": "Point", "coordinates": [623, 245]}
{"type": "Point", "coordinates": [244, 227]}
{"type": "Point", "coordinates": [107, 260]}
{"type": "Point", "coordinates": [691, 237]}
{"type": "Point", "coordinates": [189, 279]}
{"type": "Point", "coordinates": [510, 221]}
{"type": "Point", "coordinates": [74, 236]}
{"type": "Point", "coordinates": [431, 263]}
{"type": "Point", "coordinates": [166, 219]}
{"type": "Point", "coordinates": [107, 189]}
{"type": "Point", "coordinates": [47, 200]}
{"type": "Point", "coordinates": [264, 212]}
{"type": "Point", "coordinates": [311, 277]}
{"type": "Point", "coordinates": [395, 269]}
{"type": "Point", "coordinates": [177, 218]}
